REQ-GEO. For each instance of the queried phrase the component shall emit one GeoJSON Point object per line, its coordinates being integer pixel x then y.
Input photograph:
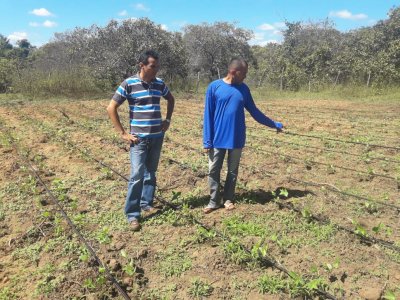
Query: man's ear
{"type": "Point", "coordinates": [141, 65]}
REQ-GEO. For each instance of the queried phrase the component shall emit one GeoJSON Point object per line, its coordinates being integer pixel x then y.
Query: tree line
{"type": "Point", "coordinates": [312, 56]}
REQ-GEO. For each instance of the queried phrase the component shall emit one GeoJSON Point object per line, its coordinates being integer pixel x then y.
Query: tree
{"type": "Point", "coordinates": [211, 46]}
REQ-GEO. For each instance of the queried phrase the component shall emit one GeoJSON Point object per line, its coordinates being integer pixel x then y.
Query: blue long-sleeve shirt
{"type": "Point", "coordinates": [224, 119]}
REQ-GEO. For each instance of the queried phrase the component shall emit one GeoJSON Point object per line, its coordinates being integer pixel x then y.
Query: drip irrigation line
{"type": "Point", "coordinates": [363, 238]}
{"type": "Point", "coordinates": [328, 186]}
{"type": "Point", "coordinates": [324, 149]}
{"type": "Point", "coordinates": [340, 141]}
{"type": "Point", "coordinates": [370, 239]}
{"type": "Point", "coordinates": [72, 225]}
{"type": "Point", "coordinates": [391, 114]}
{"type": "Point", "coordinates": [326, 164]}
{"type": "Point", "coordinates": [265, 173]}
{"type": "Point", "coordinates": [265, 260]}
{"type": "Point", "coordinates": [336, 190]}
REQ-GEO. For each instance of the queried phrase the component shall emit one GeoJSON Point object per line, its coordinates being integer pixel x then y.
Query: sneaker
{"type": "Point", "coordinates": [135, 225]}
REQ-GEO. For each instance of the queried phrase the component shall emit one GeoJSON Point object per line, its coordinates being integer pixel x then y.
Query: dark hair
{"type": "Point", "coordinates": [237, 62]}
{"type": "Point", "coordinates": [144, 57]}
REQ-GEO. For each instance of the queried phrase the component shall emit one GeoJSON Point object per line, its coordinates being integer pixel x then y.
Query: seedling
{"type": "Point", "coordinates": [359, 230]}
{"type": "Point", "coordinates": [330, 267]}
{"type": "Point", "coordinates": [200, 288]}
{"type": "Point", "coordinates": [103, 236]}
{"type": "Point", "coordinates": [370, 207]}
{"type": "Point", "coordinates": [130, 268]}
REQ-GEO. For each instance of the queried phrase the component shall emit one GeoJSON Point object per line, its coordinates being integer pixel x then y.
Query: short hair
{"type": "Point", "coordinates": [144, 57]}
{"type": "Point", "coordinates": [237, 62]}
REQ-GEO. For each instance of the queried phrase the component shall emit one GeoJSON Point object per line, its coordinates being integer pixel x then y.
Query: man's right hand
{"type": "Point", "coordinates": [130, 138]}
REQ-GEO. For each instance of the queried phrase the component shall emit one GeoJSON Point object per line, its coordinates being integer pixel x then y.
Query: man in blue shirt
{"type": "Point", "coordinates": [143, 92]}
{"type": "Point", "coordinates": [225, 130]}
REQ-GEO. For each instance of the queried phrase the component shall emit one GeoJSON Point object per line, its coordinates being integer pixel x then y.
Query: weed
{"type": "Point", "coordinates": [173, 262]}
{"type": "Point", "coordinates": [200, 288]}
{"type": "Point", "coordinates": [389, 295]}
{"type": "Point", "coordinates": [7, 294]}
{"type": "Point", "coordinates": [271, 284]}
{"type": "Point", "coordinates": [202, 235]}
{"type": "Point", "coordinates": [103, 236]}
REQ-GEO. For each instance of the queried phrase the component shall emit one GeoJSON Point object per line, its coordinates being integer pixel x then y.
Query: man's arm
{"type": "Point", "coordinates": [170, 110]}
{"type": "Point", "coordinates": [259, 116]}
{"type": "Point", "coordinates": [112, 110]}
{"type": "Point", "coordinates": [208, 120]}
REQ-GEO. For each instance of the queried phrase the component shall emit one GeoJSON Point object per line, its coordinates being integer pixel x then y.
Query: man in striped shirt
{"type": "Point", "coordinates": [143, 92]}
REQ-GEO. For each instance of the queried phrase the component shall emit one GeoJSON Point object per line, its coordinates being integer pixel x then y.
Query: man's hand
{"type": "Point", "coordinates": [165, 125]}
{"type": "Point", "coordinates": [206, 150]}
{"type": "Point", "coordinates": [130, 138]}
{"type": "Point", "coordinates": [278, 126]}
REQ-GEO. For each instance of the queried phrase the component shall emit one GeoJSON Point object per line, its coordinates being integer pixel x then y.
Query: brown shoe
{"type": "Point", "coordinates": [135, 225]}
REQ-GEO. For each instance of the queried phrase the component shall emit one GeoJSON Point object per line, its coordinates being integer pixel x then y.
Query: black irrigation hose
{"type": "Point", "coordinates": [340, 141]}
{"type": "Point", "coordinates": [363, 238]}
{"type": "Point", "coordinates": [329, 187]}
{"type": "Point", "coordinates": [323, 149]}
{"type": "Point", "coordinates": [72, 225]}
{"type": "Point", "coordinates": [367, 239]}
{"type": "Point", "coordinates": [392, 113]}
{"type": "Point", "coordinates": [336, 190]}
{"type": "Point", "coordinates": [326, 164]}
{"type": "Point", "coordinates": [267, 261]}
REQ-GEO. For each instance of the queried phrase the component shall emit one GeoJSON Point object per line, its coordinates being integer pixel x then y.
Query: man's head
{"type": "Point", "coordinates": [237, 70]}
{"type": "Point", "coordinates": [149, 64]}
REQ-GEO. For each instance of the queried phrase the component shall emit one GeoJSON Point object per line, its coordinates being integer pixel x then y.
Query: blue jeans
{"type": "Point", "coordinates": [215, 161]}
{"type": "Point", "coordinates": [142, 183]}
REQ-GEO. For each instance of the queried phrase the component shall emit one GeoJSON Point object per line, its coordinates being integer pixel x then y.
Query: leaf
{"type": "Point", "coordinates": [123, 253]}
{"type": "Point", "coordinates": [283, 192]}
{"type": "Point", "coordinates": [389, 296]}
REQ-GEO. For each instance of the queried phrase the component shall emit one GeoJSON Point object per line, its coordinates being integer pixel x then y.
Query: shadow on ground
{"type": "Point", "coordinates": [259, 196]}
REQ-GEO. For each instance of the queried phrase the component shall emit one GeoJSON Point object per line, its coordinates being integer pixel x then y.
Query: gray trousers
{"type": "Point", "coordinates": [215, 161]}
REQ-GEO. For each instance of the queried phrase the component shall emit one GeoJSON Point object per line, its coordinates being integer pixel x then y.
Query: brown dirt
{"type": "Point", "coordinates": [40, 255]}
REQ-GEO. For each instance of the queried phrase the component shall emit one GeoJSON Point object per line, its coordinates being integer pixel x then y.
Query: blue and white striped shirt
{"type": "Point", "coordinates": [144, 105]}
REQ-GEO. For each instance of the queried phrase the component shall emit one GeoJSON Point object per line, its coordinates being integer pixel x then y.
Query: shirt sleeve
{"type": "Point", "coordinates": [165, 90]}
{"type": "Point", "coordinates": [256, 113]}
{"type": "Point", "coordinates": [121, 93]}
{"type": "Point", "coordinates": [208, 120]}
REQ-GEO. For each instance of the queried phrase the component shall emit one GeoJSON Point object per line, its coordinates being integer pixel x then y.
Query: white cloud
{"type": "Point", "coordinates": [345, 14]}
{"type": "Point", "coordinates": [17, 36]}
{"type": "Point", "coordinates": [41, 12]}
{"type": "Point", "coordinates": [262, 39]}
{"type": "Point", "coordinates": [276, 27]}
{"type": "Point", "coordinates": [141, 6]}
{"type": "Point", "coordinates": [164, 27]}
{"type": "Point", "coordinates": [123, 13]}
{"type": "Point", "coordinates": [34, 24]}
{"type": "Point", "coordinates": [266, 27]}
{"type": "Point", "coordinates": [49, 24]}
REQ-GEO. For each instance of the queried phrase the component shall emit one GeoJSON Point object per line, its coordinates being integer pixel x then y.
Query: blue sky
{"type": "Point", "coordinates": [38, 20]}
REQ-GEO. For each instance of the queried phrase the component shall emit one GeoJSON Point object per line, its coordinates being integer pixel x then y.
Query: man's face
{"type": "Point", "coordinates": [150, 70]}
{"type": "Point", "coordinates": [240, 74]}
